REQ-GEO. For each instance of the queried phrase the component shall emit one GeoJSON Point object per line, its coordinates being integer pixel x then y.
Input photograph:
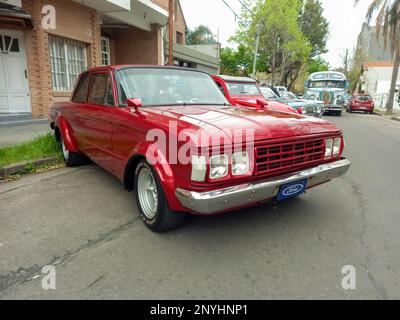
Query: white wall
{"type": "Point", "coordinates": [374, 77]}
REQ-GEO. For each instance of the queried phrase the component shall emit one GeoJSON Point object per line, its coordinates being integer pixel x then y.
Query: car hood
{"type": "Point", "coordinates": [231, 122]}
{"type": "Point", "coordinates": [295, 103]}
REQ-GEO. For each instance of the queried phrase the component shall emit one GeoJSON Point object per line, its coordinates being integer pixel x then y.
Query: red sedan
{"type": "Point", "coordinates": [361, 102]}
{"type": "Point", "coordinates": [171, 136]}
{"type": "Point", "coordinates": [244, 91]}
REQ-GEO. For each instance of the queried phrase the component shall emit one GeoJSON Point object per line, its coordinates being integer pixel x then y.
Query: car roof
{"type": "Point", "coordinates": [142, 66]}
{"type": "Point", "coordinates": [236, 79]}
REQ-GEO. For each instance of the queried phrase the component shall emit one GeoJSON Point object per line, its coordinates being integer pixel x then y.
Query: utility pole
{"type": "Point", "coordinates": [346, 63]}
{"type": "Point", "coordinates": [256, 51]}
{"type": "Point", "coordinates": [171, 32]}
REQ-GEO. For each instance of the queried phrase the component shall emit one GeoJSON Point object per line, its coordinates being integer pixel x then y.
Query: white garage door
{"type": "Point", "coordinates": [14, 88]}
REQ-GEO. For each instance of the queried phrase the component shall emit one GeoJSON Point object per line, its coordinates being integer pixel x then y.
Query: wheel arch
{"type": "Point", "coordinates": [129, 172]}
{"type": "Point", "coordinates": [162, 168]}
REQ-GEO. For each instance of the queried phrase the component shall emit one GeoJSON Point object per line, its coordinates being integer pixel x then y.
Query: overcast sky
{"type": "Point", "coordinates": [345, 21]}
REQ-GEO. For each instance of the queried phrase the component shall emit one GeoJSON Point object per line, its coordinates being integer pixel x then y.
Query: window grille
{"type": "Point", "coordinates": [67, 60]}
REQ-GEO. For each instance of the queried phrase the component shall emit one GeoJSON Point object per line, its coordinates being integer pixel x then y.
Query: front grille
{"type": "Point", "coordinates": [288, 157]}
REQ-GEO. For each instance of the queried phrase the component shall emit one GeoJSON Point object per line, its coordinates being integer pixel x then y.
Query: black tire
{"type": "Point", "coordinates": [164, 218]}
{"type": "Point", "coordinates": [339, 113]}
{"type": "Point", "coordinates": [72, 159]}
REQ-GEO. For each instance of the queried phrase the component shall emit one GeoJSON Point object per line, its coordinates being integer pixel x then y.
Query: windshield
{"type": "Point", "coordinates": [288, 95]}
{"type": "Point", "coordinates": [243, 88]}
{"type": "Point", "coordinates": [328, 84]}
{"type": "Point", "coordinates": [268, 93]}
{"type": "Point", "coordinates": [163, 86]}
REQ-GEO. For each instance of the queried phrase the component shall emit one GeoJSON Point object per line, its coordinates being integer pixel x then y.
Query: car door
{"type": "Point", "coordinates": [77, 107]}
{"type": "Point", "coordinates": [97, 116]}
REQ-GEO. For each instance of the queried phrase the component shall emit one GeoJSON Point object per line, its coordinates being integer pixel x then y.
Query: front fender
{"type": "Point", "coordinates": [67, 134]}
{"type": "Point", "coordinates": [164, 171]}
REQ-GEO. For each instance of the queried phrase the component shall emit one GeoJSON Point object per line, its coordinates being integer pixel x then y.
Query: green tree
{"type": "Point", "coordinates": [318, 64]}
{"type": "Point", "coordinates": [239, 62]}
{"type": "Point", "coordinates": [282, 43]}
{"type": "Point", "coordinates": [314, 26]}
{"type": "Point", "coordinates": [388, 26]}
{"type": "Point", "coordinates": [200, 35]}
{"type": "Point", "coordinates": [355, 69]}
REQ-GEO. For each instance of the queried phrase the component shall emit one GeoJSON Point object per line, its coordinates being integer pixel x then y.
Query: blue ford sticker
{"type": "Point", "coordinates": [293, 189]}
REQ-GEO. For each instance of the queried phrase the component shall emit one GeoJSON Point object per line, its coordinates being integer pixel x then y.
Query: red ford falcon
{"type": "Point", "coordinates": [171, 136]}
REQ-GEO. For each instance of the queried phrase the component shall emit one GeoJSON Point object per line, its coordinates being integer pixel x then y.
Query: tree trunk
{"type": "Point", "coordinates": [273, 68]}
{"type": "Point", "coordinates": [390, 103]}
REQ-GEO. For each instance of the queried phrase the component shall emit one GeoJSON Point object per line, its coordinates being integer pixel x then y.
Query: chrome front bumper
{"type": "Point", "coordinates": [247, 194]}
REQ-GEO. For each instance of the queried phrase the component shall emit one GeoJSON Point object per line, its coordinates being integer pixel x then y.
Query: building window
{"type": "Point", "coordinates": [105, 51]}
{"type": "Point", "coordinates": [179, 37]}
{"type": "Point", "coordinates": [67, 61]}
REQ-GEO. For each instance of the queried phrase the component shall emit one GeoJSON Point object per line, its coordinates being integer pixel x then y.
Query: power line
{"type": "Point", "coordinates": [246, 7]}
{"type": "Point", "coordinates": [233, 11]}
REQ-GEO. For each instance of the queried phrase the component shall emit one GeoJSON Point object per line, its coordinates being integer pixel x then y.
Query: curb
{"type": "Point", "coordinates": [21, 167]}
{"type": "Point", "coordinates": [396, 119]}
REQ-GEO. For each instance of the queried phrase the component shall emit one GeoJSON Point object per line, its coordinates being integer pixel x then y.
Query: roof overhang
{"type": "Point", "coordinates": [189, 54]}
{"type": "Point", "coordinates": [10, 14]}
{"type": "Point", "coordinates": [106, 5]}
{"type": "Point", "coordinates": [137, 13]}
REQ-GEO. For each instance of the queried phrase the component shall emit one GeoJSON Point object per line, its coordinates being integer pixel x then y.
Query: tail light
{"type": "Point", "coordinates": [300, 110]}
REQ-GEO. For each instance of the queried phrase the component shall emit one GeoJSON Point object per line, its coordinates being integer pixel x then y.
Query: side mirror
{"type": "Point", "coordinates": [261, 103]}
{"type": "Point", "coordinates": [134, 103]}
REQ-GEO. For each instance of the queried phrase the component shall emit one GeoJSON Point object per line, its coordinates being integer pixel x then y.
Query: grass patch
{"type": "Point", "coordinates": [41, 147]}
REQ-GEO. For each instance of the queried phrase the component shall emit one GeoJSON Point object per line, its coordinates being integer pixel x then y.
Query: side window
{"type": "Point", "coordinates": [110, 94]}
{"type": "Point", "coordinates": [98, 88]}
{"type": "Point", "coordinates": [81, 91]}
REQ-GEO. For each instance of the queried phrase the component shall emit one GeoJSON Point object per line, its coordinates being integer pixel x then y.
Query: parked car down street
{"type": "Point", "coordinates": [305, 107]}
{"type": "Point", "coordinates": [361, 102]}
{"type": "Point", "coordinates": [113, 110]}
{"type": "Point", "coordinates": [243, 91]}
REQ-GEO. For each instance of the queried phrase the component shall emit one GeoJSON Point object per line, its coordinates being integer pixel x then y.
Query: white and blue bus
{"type": "Point", "coordinates": [330, 87]}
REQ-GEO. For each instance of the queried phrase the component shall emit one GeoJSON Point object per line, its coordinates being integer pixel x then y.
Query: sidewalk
{"type": "Point", "coordinates": [395, 116]}
{"type": "Point", "coordinates": [21, 133]}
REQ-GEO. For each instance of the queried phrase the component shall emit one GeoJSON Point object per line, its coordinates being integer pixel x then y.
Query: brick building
{"type": "Point", "coordinates": [45, 44]}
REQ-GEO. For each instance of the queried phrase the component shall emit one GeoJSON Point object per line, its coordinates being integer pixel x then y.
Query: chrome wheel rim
{"type": "Point", "coordinates": [147, 192]}
{"type": "Point", "coordinates": [64, 150]}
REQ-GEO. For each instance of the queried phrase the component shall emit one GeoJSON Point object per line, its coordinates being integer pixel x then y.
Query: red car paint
{"type": "Point", "coordinates": [115, 137]}
{"type": "Point", "coordinates": [362, 102]}
{"type": "Point", "coordinates": [249, 100]}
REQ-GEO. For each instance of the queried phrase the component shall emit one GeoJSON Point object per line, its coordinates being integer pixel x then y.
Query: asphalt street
{"type": "Point", "coordinates": [83, 222]}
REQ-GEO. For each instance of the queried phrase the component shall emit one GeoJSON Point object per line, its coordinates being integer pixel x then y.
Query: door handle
{"type": "Point", "coordinates": [26, 74]}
